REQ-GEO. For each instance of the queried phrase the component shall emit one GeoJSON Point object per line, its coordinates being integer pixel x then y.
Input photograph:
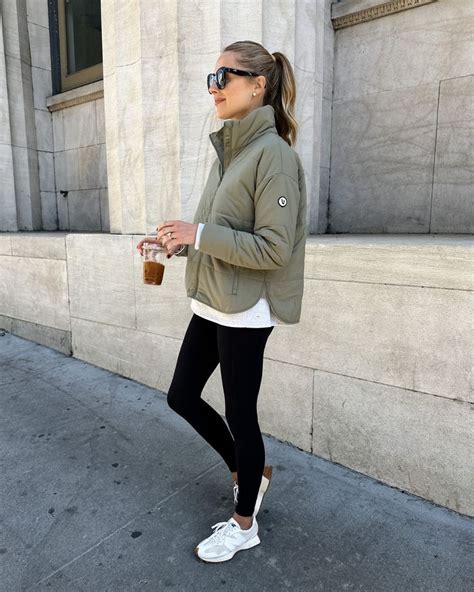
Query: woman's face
{"type": "Point", "coordinates": [235, 100]}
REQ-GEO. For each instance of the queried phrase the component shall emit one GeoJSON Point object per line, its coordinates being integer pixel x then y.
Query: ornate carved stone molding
{"type": "Point", "coordinates": [373, 12]}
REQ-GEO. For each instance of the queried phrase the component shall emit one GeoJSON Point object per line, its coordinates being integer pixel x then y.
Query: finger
{"type": "Point", "coordinates": [160, 234]}
{"type": "Point", "coordinates": [164, 225]}
{"type": "Point", "coordinates": [168, 239]}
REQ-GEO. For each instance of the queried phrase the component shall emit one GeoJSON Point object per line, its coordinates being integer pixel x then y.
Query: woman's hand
{"type": "Point", "coordinates": [182, 233]}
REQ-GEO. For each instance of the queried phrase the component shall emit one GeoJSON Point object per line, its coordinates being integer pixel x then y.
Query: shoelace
{"type": "Point", "coordinates": [219, 534]}
{"type": "Point", "coordinates": [236, 493]}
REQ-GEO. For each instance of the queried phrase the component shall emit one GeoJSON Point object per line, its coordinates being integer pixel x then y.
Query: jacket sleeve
{"type": "Point", "coordinates": [184, 252]}
{"type": "Point", "coordinates": [271, 244]}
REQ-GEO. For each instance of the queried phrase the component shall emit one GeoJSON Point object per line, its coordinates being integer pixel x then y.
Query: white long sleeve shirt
{"type": "Point", "coordinates": [259, 315]}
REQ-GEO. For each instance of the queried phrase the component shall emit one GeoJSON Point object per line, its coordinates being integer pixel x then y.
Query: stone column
{"type": "Point", "coordinates": [141, 113]}
{"type": "Point", "coordinates": [19, 192]}
{"type": "Point", "coordinates": [8, 219]}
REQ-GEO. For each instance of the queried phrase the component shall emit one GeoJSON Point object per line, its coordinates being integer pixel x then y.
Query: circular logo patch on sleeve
{"type": "Point", "coordinates": [282, 201]}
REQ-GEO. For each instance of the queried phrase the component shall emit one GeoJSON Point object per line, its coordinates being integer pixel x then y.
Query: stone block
{"type": "Point", "coordinates": [58, 130]}
{"type": "Point", "coordinates": [104, 210]}
{"type": "Point", "coordinates": [15, 31]}
{"type": "Point", "coordinates": [49, 210]}
{"type": "Point", "coordinates": [35, 290]}
{"type": "Point", "coordinates": [453, 185]}
{"type": "Point", "coordinates": [46, 171]}
{"type": "Point", "coordinates": [5, 323]}
{"type": "Point", "coordinates": [63, 211]}
{"type": "Point", "coordinates": [413, 441]}
{"type": "Point", "coordinates": [285, 402]}
{"type": "Point", "coordinates": [49, 336]}
{"type": "Point", "coordinates": [370, 57]}
{"type": "Point", "coordinates": [89, 167]}
{"type": "Point", "coordinates": [27, 188]}
{"type": "Point", "coordinates": [42, 87]}
{"type": "Point", "coordinates": [39, 46]}
{"type": "Point", "coordinates": [325, 135]}
{"type": "Point", "coordinates": [426, 261]}
{"type": "Point", "coordinates": [44, 130]}
{"type": "Point", "coordinates": [5, 244]}
{"type": "Point", "coordinates": [67, 170]}
{"type": "Point", "coordinates": [37, 12]}
{"type": "Point", "coordinates": [42, 245]}
{"type": "Point", "coordinates": [100, 119]}
{"type": "Point", "coordinates": [382, 161]}
{"type": "Point", "coordinates": [84, 210]}
{"type": "Point", "coordinates": [145, 357]}
{"type": "Point", "coordinates": [23, 128]}
{"type": "Point", "coordinates": [8, 219]}
{"type": "Point", "coordinates": [102, 165]}
{"type": "Point", "coordinates": [79, 125]}
{"type": "Point", "coordinates": [318, 212]}
{"type": "Point", "coordinates": [101, 278]}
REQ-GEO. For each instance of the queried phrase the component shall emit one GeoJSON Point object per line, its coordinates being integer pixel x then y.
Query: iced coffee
{"type": "Point", "coordinates": [154, 257]}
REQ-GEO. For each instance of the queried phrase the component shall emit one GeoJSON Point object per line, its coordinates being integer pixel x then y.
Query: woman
{"type": "Point", "coordinates": [244, 271]}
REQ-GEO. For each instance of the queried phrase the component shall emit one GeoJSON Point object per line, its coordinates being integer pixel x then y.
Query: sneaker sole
{"type": "Point", "coordinates": [248, 545]}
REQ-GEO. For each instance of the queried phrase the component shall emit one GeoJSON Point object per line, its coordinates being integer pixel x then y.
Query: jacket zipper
{"type": "Point", "coordinates": [213, 197]}
{"type": "Point", "coordinates": [235, 279]}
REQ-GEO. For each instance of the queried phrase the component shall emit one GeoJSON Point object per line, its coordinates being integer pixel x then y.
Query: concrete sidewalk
{"type": "Point", "coordinates": [104, 488]}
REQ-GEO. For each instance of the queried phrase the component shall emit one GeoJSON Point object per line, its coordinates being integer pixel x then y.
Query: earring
{"type": "Point", "coordinates": [254, 94]}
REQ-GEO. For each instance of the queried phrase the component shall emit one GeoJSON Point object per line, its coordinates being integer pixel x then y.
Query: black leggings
{"type": "Point", "coordinates": [239, 350]}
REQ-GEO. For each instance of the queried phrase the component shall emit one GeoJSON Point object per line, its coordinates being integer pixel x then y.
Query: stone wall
{"type": "Point", "coordinates": [80, 162]}
{"type": "Point", "coordinates": [385, 105]}
{"type": "Point", "coordinates": [25, 125]}
{"type": "Point", "coordinates": [377, 376]}
{"type": "Point", "coordinates": [47, 144]}
{"type": "Point", "coordinates": [403, 118]}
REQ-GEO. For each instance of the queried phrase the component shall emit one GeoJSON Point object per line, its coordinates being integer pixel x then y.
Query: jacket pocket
{"type": "Point", "coordinates": [235, 283]}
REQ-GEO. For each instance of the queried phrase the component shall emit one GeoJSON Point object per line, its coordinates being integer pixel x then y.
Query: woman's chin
{"type": "Point", "coordinates": [221, 111]}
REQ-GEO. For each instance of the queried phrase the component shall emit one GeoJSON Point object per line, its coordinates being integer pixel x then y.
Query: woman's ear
{"type": "Point", "coordinates": [261, 81]}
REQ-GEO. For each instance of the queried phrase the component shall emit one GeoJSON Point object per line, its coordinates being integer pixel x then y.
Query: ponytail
{"type": "Point", "coordinates": [283, 99]}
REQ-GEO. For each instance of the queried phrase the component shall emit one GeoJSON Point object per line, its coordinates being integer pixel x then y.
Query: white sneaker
{"type": "Point", "coordinates": [264, 484]}
{"type": "Point", "coordinates": [226, 540]}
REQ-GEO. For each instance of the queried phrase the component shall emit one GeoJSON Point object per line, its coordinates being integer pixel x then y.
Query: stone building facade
{"type": "Point", "coordinates": [378, 374]}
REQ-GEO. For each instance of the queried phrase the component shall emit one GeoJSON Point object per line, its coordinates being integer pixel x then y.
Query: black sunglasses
{"type": "Point", "coordinates": [220, 78]}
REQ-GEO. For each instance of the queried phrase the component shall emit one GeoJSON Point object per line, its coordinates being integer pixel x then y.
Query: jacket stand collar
{"type": "Point", "coordinates": [237, 133]}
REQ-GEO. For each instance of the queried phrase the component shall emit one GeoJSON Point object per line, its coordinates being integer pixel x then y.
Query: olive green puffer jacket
{"type": "Point", "coordinates": [254, 210]}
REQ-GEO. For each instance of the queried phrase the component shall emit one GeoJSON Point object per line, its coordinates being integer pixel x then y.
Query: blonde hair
{"type": "Point", "coordinates": [280, 91]}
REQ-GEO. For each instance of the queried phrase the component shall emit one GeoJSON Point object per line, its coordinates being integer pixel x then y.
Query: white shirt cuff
{"type": "Point", "coordinates": [198, 235]}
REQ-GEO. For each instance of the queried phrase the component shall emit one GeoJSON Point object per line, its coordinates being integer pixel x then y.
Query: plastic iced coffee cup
{"type": "Point", "coordinates": [154, 258]}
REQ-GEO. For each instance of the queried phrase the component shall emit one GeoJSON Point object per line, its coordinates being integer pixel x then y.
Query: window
{"type": "Point", "coordinates": [80, 42]}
